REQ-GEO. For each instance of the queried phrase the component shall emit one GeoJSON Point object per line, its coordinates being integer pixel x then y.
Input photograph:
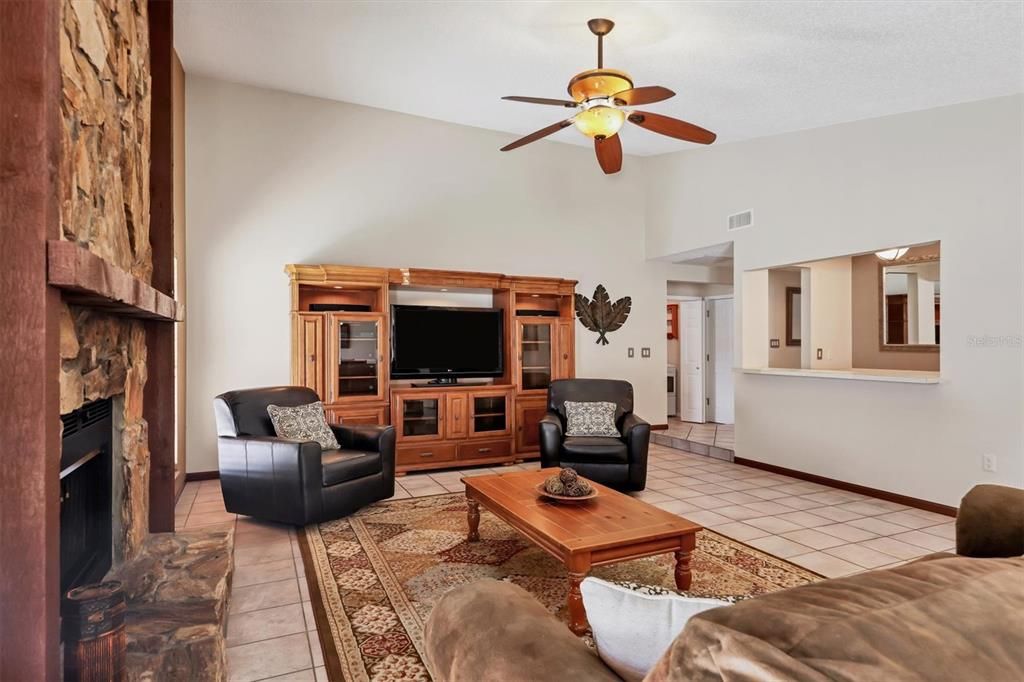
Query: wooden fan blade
{"type": "Point", "coordinates": [533, 137]}
{"type": "Point", "coordinates": [609, 153]}
{"type": "Point", "coordinates": [649, 94]}
{"type": "Point", "coordinates": [673, 127]}
{"type": "Point", "coordinates": [544, 100]}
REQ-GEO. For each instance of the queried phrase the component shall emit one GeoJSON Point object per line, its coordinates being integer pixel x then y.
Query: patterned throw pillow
{"type": "Point", "coordinates": [658, 590]}
{"type": "Point", "coordinates": [590, 419]}
{"type": "Point", "coordinates": [303, 422]}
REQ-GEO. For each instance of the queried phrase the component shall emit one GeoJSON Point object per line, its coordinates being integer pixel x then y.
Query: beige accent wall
{"type": "Point", "coordinates": [778, 281]}
{"type": "Point", "coordinates": [756, 320]}
{"type": "Point", "coordinates": [866, 319]}
{"type": "Point", "coordinates": [831, 319]}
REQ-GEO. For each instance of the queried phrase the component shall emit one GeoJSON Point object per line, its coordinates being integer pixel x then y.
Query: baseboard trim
{"type": "Point", "coordinates": [851, 487]}
{"type": "Point", "coordinates": [659, 427]}
{"type": "Point", "coordinates": [201, 476]}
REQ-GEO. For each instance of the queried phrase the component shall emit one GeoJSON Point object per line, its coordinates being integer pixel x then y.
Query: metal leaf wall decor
{"type": "Point", "coordinates": [600, 314]}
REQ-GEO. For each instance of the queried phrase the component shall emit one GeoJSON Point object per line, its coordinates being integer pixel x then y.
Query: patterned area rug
{"type": "Point", "coordinates": [375, 576]}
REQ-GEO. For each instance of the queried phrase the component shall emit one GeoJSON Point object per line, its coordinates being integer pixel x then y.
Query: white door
{"type": "Point", "coordinates": [691, 361]}
{"type": "Point", "coordinates": [720, 345]}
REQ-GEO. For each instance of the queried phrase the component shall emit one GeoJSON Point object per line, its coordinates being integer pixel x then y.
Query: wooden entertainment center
{"type": "Point", "coordinates": [341, 322]}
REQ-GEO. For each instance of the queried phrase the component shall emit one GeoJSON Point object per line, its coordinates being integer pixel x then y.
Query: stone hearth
{"type": "Point", "coordinates": [176, 590]}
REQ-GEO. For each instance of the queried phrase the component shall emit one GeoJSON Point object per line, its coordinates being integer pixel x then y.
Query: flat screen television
{"type": "Point", "coordinates": [446, 343]}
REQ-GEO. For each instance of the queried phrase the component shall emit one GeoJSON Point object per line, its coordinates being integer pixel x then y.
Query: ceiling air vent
{"type": "Point", "coordinates": [741, 220]}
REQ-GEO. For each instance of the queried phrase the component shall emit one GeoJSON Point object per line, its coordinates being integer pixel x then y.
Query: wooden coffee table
{"type": "Point", "coordinates": [610, 528]}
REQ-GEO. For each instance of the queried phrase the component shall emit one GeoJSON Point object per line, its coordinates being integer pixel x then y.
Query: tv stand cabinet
{"type": "Point", "coordinates": [452, 426]}
{"type": "Point", "coordinates": [341, 326]}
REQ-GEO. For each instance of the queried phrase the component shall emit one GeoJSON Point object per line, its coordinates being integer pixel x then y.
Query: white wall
{"type": "Point", "coordinates": [952, 174]}
{"type": "Point", "coordinates": [276, 178]}
{"type": "Point", "coordinates": [477, 298]}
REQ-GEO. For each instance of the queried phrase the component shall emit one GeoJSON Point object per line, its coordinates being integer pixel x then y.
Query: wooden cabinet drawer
{"type": "Point", "coordinates": [485, 448]}
{"type": "Point", "coordinates": [412, 455]}
{"type": "Point", "coordinates": [354, 416]}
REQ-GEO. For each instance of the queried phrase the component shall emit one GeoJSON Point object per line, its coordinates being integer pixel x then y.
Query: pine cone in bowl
{"type": "Point", "coordinates": [554, 485]}
{"type": "Point", "coordinates": [578, 489]}
{"type": "Point", "coordinates": [568, 476]}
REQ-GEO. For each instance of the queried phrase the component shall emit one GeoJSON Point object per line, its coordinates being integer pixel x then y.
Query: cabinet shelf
{"type": "Point", "coordinates": [356, 378]}
{"type": "Point", "coordinates": [489, 414]}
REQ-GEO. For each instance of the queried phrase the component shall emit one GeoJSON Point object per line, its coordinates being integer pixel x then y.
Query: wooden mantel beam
{"type": "Point", "coordinates": [87, 279]}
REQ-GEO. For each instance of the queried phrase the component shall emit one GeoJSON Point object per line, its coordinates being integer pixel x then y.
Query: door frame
{"type": "Point", "coordinates": [709, 348]}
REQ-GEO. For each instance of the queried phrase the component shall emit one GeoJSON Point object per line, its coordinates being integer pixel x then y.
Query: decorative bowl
{"type": "Point", "coordinates": [566, 499]}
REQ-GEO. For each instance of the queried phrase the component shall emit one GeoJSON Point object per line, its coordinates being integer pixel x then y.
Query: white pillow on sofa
{"type": "Point", "coordinates": [633, 626]}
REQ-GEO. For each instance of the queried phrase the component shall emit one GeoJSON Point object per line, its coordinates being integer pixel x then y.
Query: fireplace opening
{"type": "Point", "coordinates": [86, 495]}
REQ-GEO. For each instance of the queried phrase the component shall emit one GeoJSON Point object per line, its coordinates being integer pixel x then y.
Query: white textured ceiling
{"type": "Point", "coordinates": [741, 69]}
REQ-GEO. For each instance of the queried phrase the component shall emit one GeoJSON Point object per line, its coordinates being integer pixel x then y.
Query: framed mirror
{"type": "Point", "coordinates": [909, 302]}
{"type": "Point", "coordinates": [792, 316]}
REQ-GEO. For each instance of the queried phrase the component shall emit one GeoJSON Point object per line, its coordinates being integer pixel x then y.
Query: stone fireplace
{"type": "Point", "coordinates": [89, 236]}
{"type": "Point", "coordinates": [87, 521]}
{"type": "Point", "coordinates": [116, 346]}
{"type": "Point", "coordinates": [104, 208]}
{"type": "Point", "coordinates": [103, 359]}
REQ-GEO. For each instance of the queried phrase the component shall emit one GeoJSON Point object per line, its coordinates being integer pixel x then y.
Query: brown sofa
{"type": "Point", "coordinates": [944, 617]}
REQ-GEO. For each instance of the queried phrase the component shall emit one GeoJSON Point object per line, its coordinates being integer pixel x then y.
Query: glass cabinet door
{"type": "Point", "coordinates": [535, 339]}
{"type": "Point", "coordinates": [421, 417]}
{"type": "Point", "coordinates": [357, 353]}
{"type": "Point", "coordinates": [490, 414]}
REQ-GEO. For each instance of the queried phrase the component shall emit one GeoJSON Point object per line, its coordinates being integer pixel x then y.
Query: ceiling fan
{"type": "Point", "coordinates": [604, 99]}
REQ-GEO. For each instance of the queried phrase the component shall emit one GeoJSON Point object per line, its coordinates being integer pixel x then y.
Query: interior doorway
{"type": "Point", "coordinates": [719, 359]}
{"type": "Point", "coordinates": [700, 386]}
{"type": "Point", "coordinates": [691, 361]}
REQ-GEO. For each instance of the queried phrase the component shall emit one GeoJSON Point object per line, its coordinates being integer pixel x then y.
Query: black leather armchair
{"type": "Point", "coordinates": [295, 482]}
{"type": "Point", "coordinates": [619, 463]}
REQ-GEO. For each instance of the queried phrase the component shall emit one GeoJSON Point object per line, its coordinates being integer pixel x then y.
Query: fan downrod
{"type": "Point", "coordinates": [600, 28]}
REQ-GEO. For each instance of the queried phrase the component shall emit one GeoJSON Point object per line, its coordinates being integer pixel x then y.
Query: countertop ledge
{"type": "Point", "coordinates": [888, 375]}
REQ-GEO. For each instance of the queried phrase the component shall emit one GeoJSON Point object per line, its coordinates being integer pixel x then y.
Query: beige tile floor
{"type": "Point", "coordinates": [271, 634]}
{"type": "Point", "coordinates": [719, 435]}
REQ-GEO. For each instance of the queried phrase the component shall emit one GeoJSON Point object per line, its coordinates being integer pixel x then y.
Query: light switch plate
{"type": "Point", "coordinates": [645, 352]}
{"type": "Point", "coordinates": [773, 343]}
{"type": "Point", "coordinates": [630, 352]}
{"type": "Point", "coordinates": [819, 353]}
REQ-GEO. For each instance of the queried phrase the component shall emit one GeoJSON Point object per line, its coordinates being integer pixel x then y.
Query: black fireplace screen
{"type": "Point", "coordinates": [85, 495]}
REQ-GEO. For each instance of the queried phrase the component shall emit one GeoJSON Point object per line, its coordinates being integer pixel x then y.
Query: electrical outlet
{"type": "Point", "coordinates": [645, 352]}
{"type": "Point", "coordinates": [988, 463]}
{"type": "Point", "coordinates": [820, 352]}
{"type": "Point", "coordinates": [630, 352]}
